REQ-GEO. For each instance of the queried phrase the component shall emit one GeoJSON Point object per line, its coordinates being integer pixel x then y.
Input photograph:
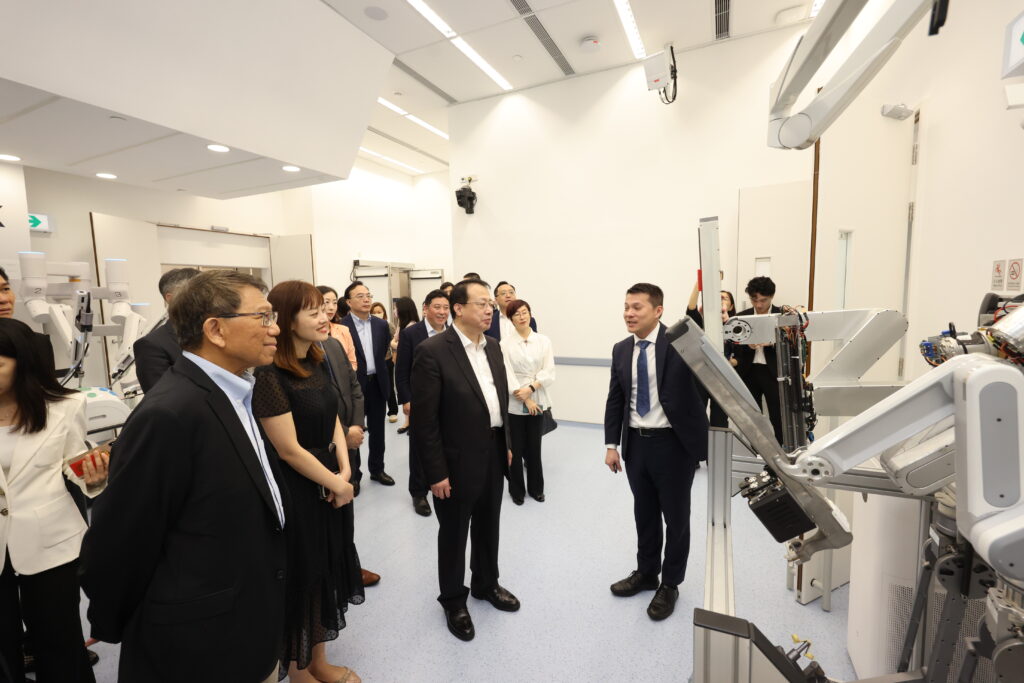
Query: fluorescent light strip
{"type": "Point", "coordinates": [420, 122]}
{"type": "Point", "coordinates": [481, 63]}
{"type": "Point", "coordinates": [625, 11]}
{"type": "Point", "coordinates": [391, 161]}
{"type": "Point", "coordinates": [432, 16]}
{"type": "Point", "coordinates": [392, 106]}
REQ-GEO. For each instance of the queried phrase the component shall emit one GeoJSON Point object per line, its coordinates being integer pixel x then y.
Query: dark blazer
{"type": "Point", "coordinates": [408, 340]}
{"type": "Point", "coordinates": [745, 355]}
{"type": "Point", "coordinates": [451, 425]}
{"type": "Point", "coordinates": [351, 410]}
{"type": "Point", "coordinates": [495, 330]}
{"type": "Point", "coordinates": [184, 563]}
{"type": "Point", "coordinates": [677, 393]}
{"type": "Point", "coordinates": [154, 353]}
{"type": "Point", "coordinates": [381, 345]}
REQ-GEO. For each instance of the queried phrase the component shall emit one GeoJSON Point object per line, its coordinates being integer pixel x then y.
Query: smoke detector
{"type": "Point", "coordinates": [590, 44]}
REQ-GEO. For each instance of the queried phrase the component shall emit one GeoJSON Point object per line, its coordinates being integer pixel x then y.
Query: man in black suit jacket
{"type": "Point", "coordinates": [159, 350]}
{"type": "Point", "coordinates": [656, 413]}
{"type": "Point", "coordinates": [459, 404]}
{"type": "Point", "coordinates": [372, 339]}
{"type": "Point", "coordinates": [756, 364]}
{"type": "Point", "coordinates": [185, 561]}
{"type": "Point", "coordinates": [435, 319]}
{"type": "Point", "coordinates": [504, 294]}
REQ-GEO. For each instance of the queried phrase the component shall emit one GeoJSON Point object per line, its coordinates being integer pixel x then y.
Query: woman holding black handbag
{"type": "Point", "coordinates": [531, 372]}
{"type": "Point", "coordinates": [298, 411]}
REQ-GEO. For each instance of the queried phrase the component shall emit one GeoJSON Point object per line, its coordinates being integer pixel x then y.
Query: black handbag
{"type": "Point", "coordinates": [549, 424]}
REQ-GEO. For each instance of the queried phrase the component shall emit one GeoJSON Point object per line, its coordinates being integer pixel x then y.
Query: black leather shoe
{"type": "Point", "coordinates": [539, 498]}
{"type": "Point", "coordinates": [517, 500]}
{"type": "Point", "coordinates": [663, 603]}
{"type": "Point", "coordinates": [403, 430]}
{"type": "Point", "coordinates": [500, 598]}
{"type": "Point", "coordinates": [633, 584]}
{"type": "Point", "coordinates": [383, 478]}
{"type": "Point", "coordinates": [421, 506]}
{"type": "Point", "coordinates": [460, 623]}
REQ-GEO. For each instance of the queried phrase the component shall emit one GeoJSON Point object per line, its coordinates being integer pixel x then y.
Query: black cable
{"type": "Point", "coordinates": [666, 98]}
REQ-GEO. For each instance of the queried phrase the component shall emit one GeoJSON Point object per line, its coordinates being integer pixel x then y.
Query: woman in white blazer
{"type": "Point", "coordinates": [42, 428]}
{"type": "Point", "coordinates": [530, 366]}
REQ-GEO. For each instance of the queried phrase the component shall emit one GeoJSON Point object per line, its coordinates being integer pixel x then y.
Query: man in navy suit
{"type": "Point", "coordinates": [372, 339]}
{"type": "Point", "coordinates": [504, 294]}
{"type": "Point", "coordinates": [656, 414]}
{"type": "Point", "coordinates": [159, 350]}
{"type": "Point", "coordinates": [435, 320]}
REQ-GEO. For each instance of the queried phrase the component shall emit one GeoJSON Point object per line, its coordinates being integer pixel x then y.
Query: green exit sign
{"type": "Point", "coordinates": [39, 222]}
{"type": "Point", "coordinates": [1013, 53]}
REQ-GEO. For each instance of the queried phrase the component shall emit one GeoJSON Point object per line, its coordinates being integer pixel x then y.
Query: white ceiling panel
{"type": "Point", "coordinates": [684, 24]}
{"type": "Point", "coordinates": [498, 44]}
{"type": "Point", "coordinates": [255, 173]}
{"type": "Point", "coordinates": [415, 97]}
{"type": "Point", "coordinates": [15, 97]}
{"type": "Point", "coordinates": [407, 131]}
{"type": "Point", "coordinates": [569, 23]}
{"type": "Point", "coordinates": [538, 5]}
{"type": "Point", "coordinates": [748, 16]}
{"type": "Point", "coordinates": [466, 17]}
{"type": "Point", "coordinates": [396, 151]}
{"type": "Point", "coordinates": [403, 29]}
{"type": "Point", "coordinates": [168, 157]}
{"type": "Point", "coordinates": [450, 70]}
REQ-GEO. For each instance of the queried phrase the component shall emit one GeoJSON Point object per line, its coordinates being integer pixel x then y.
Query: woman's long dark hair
{"type": "Point", "coordinates": [338, 315]}
{"type": "Point", "coordinates": [407, 312]}
{"type": "Point", "coordinates": [732, 303]}
{"type": "Point", "coordinates": [34, 383]}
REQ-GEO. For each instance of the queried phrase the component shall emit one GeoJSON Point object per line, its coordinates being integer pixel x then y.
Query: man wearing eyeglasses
{"type": "Point", "coordinates": [185, 561]}
{"type": "Point", "coordinates": [459, 403]}
{"type": "Point", "coordinates": [372, 339]}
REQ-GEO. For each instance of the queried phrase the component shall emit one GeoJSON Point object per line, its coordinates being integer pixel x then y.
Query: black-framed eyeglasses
{"type": "Point", "coordinates": [268, 317]}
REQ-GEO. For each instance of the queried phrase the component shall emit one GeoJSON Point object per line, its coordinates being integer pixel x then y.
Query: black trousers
{"type": "Point", "coordinates": [48, 604]}
{"type": "Point", "coordinates": [418, 485]}
{"type": "Point", "coordinates": [392, 396]}
{"type": "Point", "coordinates": [375, 404]}
{"type": "Point", "coordinates": [660, 474]}
{"type": "Point", "coordinates": [524, 431]}
{"type": "Point", "coordinates": [478, 518]}
{"type": "Point", "coordinates": [763, 383]}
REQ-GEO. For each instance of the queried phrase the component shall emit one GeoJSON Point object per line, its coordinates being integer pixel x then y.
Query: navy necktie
{"type": "Point", "coordinates": [643, 392]}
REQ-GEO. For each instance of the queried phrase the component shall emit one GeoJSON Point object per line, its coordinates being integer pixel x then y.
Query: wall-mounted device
{"type": "Point", "coordinates": [465, 197]}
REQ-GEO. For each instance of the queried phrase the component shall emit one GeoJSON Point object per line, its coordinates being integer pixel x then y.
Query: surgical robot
{"type": "Point", "coordinates": [954, 434]}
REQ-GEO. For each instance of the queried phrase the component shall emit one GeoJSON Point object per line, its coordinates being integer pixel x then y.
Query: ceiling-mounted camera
{"type": "Point", "coordinates": [465, 196]}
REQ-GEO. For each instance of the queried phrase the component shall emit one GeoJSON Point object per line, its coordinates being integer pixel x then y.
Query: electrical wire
{"type": "Point", "coordinates": [664, 93]}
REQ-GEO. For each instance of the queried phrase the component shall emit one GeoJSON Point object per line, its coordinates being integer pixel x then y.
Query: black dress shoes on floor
{"type": "Point", "coordinates": [663, 603]}
{"type": "Point", "coordinates": [539, 497]}
{"type": "Point", "coordinates": [460, 623]}
{"type": "Point", "coordinates": [403, 430]}
{"type": "Point", "coordinates": [383, 478]}
{"type": "Point", "coordinates": [420, 504]}
{"type": "Point", "coordinates": [500, 598]}
{"type": "Point", "coordinates": [517, 500]}
{"type": "Point", "coordinates": [633, 584]}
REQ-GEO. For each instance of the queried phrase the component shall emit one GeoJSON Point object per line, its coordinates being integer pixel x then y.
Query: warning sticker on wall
{"type": "Point", "coordinates": [1013, 274]}
{"type": "Point", "coordinates": [998, 275]}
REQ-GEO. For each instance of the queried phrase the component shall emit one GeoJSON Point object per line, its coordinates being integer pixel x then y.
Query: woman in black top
{"type": "Point", "coordinates": [728, 310]}
{"type": "Point", "coordinates": [298, 411]}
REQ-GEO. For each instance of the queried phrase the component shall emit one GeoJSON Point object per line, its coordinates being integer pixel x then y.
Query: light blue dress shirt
{"type": "Point", "coordinates": [364, 329]}
{"type": "Point", "coordinates": [238, 389]}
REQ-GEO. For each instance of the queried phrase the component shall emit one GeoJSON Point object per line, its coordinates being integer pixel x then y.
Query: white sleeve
{"type": "Point", "coordinates": [546, 374]}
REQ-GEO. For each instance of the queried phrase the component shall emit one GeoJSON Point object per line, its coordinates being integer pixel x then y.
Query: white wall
{"type": "Point", "coordinates": [13, 211]}
{"type": "Point", "coordinates": [591, 184]}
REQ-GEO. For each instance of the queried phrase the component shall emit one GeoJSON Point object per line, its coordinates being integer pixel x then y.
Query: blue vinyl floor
{"type": "Point", "coordinates": [559, 558]}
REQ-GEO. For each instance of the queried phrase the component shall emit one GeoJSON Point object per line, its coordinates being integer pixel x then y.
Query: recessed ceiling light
{"type": "Point", "coordinates": [397, 93]}
{"type": "Point", "coordinates": [420, 122]}
{"type": "Point", "coordinates": [218, 148]}
{"type": "Point", "coordinates": [106, 176]}
{"type": "Point", "coordinates": [376, 13]}
{"type": "Point", "coordinates": [9, 157]}
{"type": "Point", "coordinates": [475, 57]}
{"type": "Point", "coordinates": [115, 117]}
{"type": "Point", "coordinates": [432, 16]}
{"type": "Point", "coordinates": [291, 169]}
{"type": "Point", "coordinates": [393, 107]}
{"type": "Point", "coordinates": [625, 11]}
{"type": "Point", "coordinates": [390, 160]}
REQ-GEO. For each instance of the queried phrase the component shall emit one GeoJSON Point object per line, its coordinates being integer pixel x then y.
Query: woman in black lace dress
{"type": "Point", "coordinates": [298, 411]}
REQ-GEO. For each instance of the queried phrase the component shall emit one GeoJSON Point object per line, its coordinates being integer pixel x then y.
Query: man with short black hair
{"type": "Point", "coordinates": [436, 312]}
{"type": "Point", "coordinates": [459, 403]}
{"type": "Point", "coordinates": [159, 349]}
{"type": "Point", "coordinates": [504, 294]}
{"type": "Point", "coordinates": [655, 412]}
{"type": "Point", "coordinates": [184, 563]}
{"type": "Point", "coordinates": [471, 276]}
{"type": "Point", "coordinates": [756, 363]}
{"type": "Point", "coordinates": [372, 339]}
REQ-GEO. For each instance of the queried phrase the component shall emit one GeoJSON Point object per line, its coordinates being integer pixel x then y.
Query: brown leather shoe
{"type": "Point", "coordinates": [369, 578]}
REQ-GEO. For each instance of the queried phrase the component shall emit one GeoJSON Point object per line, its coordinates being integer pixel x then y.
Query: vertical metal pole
{"type": "Point", "coordinates": [709, 268]}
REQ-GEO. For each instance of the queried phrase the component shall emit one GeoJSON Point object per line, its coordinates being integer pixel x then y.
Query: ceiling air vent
{"type": "Point", "coordinates": [721, 19]}
{"type": "Point", "coordinates": [524, 9]}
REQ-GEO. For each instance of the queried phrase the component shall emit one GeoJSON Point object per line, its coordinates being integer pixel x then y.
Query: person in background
{"type": "Point", "coordinates": [471, 276]}
{"type": "Point", "coordinates": [755, 363]}
{"type": "Point", "coordinates": [530, 365]}
{"type": "Point", "coordinates": [372, 338]}
{"type": "Point", "coordinates": [338, 331]}
{"type": "Point", "coordinates": [728, 310]}
{"type": "Point", "coordinates": [298, 411]}
{"type": "Point", "coordinates": [447, 288]}
{"type": "Point", "coordinates": [159, 349]}
{"type": "Point", "coordinates": [460, 403]}
{"type": "Point", "coordinates": [655, 413]}
{"type": "Point", "coordinates": [7, 301]}
{"type": "Point", "coordinates": [379, 311]}
{"type": "Point", "coordinates": [405, 315]}
{"type": "Point", "coordinates": [42, 429]}
{"type": "Point", "coordinates": [185, 561]}
{"type": "Point", "coordinates": [501, 326]}
{"type": "Point", "coordinates": [435, 316]}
